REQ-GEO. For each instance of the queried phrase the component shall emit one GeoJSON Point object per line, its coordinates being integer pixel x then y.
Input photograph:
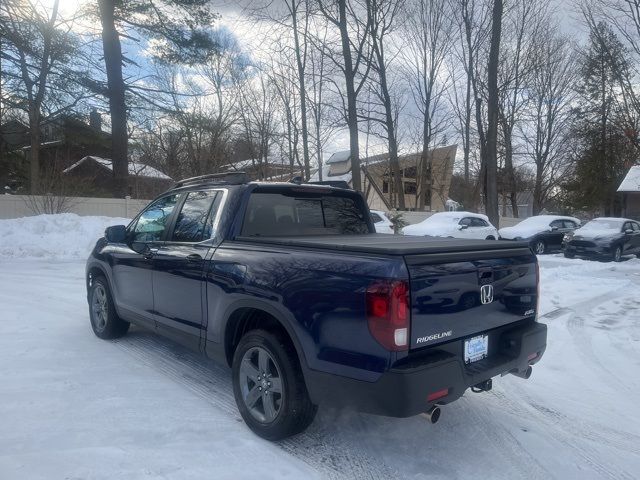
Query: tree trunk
{"type": "Point", "coordinates": [492, 113]}
{"type": "Point", "coordinates": [352, 111]}
{"type": "Point", "coordinates": [303, 93]}
{"type": "Point", "coordinates": [508, 165]}
{"type": "Point", "coordinates": [537, 191]}
{"type": "Point", "coordinates": [34, 153]}
{"type": "Point", "coordinates": [390, 127]}
{"type": "Point", "coordinates": [116, 92]}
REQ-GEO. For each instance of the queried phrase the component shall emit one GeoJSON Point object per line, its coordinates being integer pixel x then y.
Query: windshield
{"type": "Point", "coordinates": [601, 224]}
{"type": "Point", "coordinates": [303, 213]}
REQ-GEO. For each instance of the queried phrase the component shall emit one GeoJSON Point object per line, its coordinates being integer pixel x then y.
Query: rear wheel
{"type": "Point", "coordinates": [539, 247]}
{"type": "Point", "coordinates": [269, 387]}
{"type": "Point", "coordinates": [104, 320]}
{"type": "Point", "coordinates": [490, 237]}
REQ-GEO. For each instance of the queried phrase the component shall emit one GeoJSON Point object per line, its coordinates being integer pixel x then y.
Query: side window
{"type": "Point", "coordinates": [375, 218]}
{"type": "Point", "coordinates": [478, 222]}
{"type": "Point", "coordinates": [466, 221]}
{"type": "Point", "coordinates": [570, 224]}
{"type": "Point", "coordinates": [626, 226]}
{"type": "Point", "coordinates": [557, 224]}
{"type": "Point", "coordinates": [636, 227]}
{"type": "Point", "coordinates": [151, 224]}
{"type": "Point", "coordinates": [194, 224]}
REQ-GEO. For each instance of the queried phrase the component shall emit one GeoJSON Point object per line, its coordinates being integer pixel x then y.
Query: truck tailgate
{"type": "Point", "coordinates": [462, 294]}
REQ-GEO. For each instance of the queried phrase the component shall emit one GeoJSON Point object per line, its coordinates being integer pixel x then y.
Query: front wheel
{"type": "Point", "coordinates": [539, 247]}
{"type": "Point", "coordinates": [617, 254]}
{"type": "Point", "coordinates": [269, 387]}
{"type": "Point", "coordinates": [104, 320]}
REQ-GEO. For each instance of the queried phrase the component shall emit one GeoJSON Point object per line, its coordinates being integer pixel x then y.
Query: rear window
{"type": "Point", "coordinates": [278, 214]}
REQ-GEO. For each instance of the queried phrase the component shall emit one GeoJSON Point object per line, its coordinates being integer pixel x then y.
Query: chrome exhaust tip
{"type": "Point", "coordinates": [433, 414]}
{"type": "Point", "coordinates": [523, 373]}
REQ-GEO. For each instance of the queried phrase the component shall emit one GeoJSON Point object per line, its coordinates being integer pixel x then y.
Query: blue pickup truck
{"type": "Point", "coordinates": [290, 286]}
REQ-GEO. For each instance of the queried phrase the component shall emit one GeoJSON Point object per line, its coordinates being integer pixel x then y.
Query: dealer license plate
{"type": "Point", "coordinates": [476, 348]}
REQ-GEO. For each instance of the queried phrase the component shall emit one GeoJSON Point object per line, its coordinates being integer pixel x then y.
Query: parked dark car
{"type": "Point", "coordinates": [543, 232]}
{"type": "Point", "coordinates": [292, 288]}
{"type": "Point", "coordinates": [604, 238]}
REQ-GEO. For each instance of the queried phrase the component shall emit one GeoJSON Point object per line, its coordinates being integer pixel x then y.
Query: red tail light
{"type": "Point", "coordinates": [388, 314]}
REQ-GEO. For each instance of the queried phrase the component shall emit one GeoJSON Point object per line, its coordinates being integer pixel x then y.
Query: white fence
{"type": "Point", "coordinates": [16, 206]}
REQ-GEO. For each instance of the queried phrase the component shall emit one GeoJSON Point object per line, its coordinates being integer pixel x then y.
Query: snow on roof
{"type": "Point", "coordinates": [631, 182]}
{"type": "Point", "coordinates": [459, 215]}
{"type": "Point", "coordinates": [136, 169]}
{"type": "Point", "coordinates": [250, 162]}
{"type": "Point", "coordinates": [315, 177]}
{"type": "Point", "coordinates": [338, 157]}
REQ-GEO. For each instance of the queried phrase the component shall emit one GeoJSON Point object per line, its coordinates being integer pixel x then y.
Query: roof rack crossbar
{"type": "Point", "coordinates": [228, 178]}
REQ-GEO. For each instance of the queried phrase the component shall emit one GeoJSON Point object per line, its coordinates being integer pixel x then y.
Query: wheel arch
{"type": "Point", "coordinates": [250, 315]}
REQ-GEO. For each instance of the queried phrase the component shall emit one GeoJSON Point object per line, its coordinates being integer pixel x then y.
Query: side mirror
{"type": "Point", "coordinates": [116, 234]}
{"type": "Point", "coordinates": [554, 229]}
{"type": "Point", "coordinates": [628, 231]}
{"type": "Point", "coordinates": [463, 227]}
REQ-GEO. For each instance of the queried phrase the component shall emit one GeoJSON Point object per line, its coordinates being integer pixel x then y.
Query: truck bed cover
{"type": "Point", "coordinates": [388, 244]}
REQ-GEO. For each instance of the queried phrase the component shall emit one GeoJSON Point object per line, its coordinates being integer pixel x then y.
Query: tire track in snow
{"type": "Point", "coordinates": [318, 447]}
{"type": "Point", "coordinates": [567, 430]}
{"type": "Point", "coordinates": [481, 416]}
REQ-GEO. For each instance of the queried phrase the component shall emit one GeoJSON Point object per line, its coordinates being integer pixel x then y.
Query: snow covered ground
{"type": "Point", "coordinates": [73, 406]}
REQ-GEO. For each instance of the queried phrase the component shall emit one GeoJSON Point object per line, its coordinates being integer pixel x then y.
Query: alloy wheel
{"type": "Point", "coordinates": [261, 384]}
{"type": "Point", "coordinates": [99, 307]}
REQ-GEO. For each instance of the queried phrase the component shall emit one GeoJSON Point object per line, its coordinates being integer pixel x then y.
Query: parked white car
{"type": "Point", "coordinates": [381, 221]}
{"type": "Point", "coordinates": [454, 225]}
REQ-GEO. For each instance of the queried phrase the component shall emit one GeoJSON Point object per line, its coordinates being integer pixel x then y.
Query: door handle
{"type": "Point", "coordinates": [150, 253]}
{"type": "Point", "coordinates": [193, 258]}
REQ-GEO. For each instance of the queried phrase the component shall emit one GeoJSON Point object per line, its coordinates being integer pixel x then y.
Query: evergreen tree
{"type": "Point", "coordinates": [603, 148]}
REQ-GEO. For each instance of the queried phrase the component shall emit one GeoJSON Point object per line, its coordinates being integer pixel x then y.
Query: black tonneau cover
{"type": "Point", "coordinates": [389, 244]}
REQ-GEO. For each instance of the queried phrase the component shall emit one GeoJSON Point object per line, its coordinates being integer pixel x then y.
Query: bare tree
{"type": "Point", "coordinates": [35, 45]}
{"type": "Point", "coordinates": [381, 18]}
{"type": "Point", "coordinates": [355, 65]}
{"type": "Point", "coordinates": [428, 27]}
{"type": "Point", "coordinates": [523, 24]}
{"type": "Point", "coordinates": [548, 115]}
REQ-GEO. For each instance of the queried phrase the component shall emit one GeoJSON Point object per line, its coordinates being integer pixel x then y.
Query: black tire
{"type": "Point", "coordinates": [568, 255]}
{"type": "Point", "coordinates": [616, 256]}
{"type": "Point", "coordinates": [490, 237]}
{"type": "Point", "coordinates": [104, 320]}
{"type": "Point", "coordinates": [539, 247]}
{"type": "Point", "coordinates": [293, 409]}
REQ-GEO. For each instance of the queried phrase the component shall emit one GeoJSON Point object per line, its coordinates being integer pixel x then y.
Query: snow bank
{"type": "Point", "coordinates": [61, 236]}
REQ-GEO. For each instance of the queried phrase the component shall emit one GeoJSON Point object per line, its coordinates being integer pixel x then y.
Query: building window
{"type": "Point", "coordinates": [385, 187]}
{"type": "Point", "coordinates": [410, 172]}
{"type": "Point", "coordinates": [410, 188]}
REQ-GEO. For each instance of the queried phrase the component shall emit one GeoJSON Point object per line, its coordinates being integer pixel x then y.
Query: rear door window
{"type": "Point", "coordinates": [278, 214]}
{"type": "Point", "coordinates": [478, 222]}
{"type": "Point", "coordinates": [375, 218]}
{"type": "Point", "coordinates": [194, 223]}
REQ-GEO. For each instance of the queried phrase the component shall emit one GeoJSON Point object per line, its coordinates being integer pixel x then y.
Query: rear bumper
{"type": "Point", "coordinates": [402, 391]}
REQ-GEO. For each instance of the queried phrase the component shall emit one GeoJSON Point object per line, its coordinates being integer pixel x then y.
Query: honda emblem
{"type": "Point", "coordinates": [486, 294]}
